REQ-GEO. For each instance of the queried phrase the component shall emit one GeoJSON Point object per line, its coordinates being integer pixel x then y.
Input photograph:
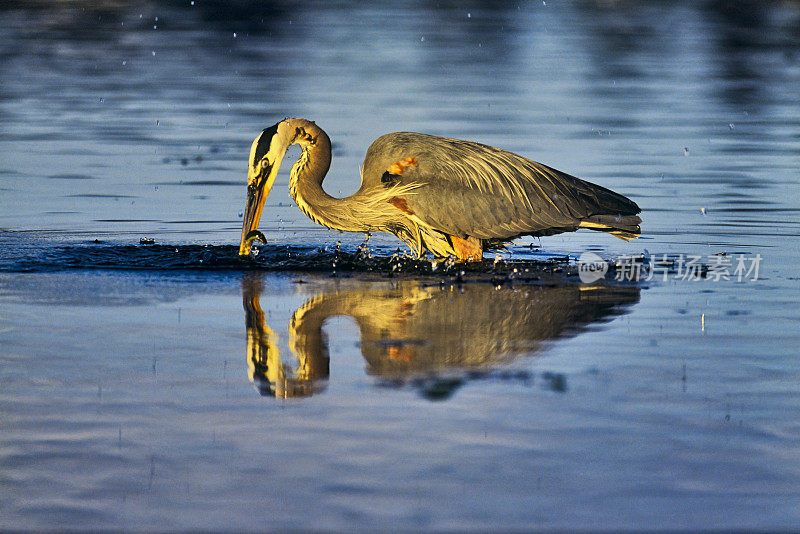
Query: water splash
{"type": "Point", "coordinates": [34, 256]}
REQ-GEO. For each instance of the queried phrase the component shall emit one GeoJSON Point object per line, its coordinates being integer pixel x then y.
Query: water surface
{"type": "Point", "coordinates": [332, 384]}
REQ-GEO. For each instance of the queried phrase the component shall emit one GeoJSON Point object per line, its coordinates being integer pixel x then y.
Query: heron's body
{"type": "Point", "coordinates": [446, 196]}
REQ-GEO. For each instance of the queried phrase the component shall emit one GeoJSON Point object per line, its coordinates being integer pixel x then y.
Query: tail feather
{"type": "Point", "coordinates": [624, 227]}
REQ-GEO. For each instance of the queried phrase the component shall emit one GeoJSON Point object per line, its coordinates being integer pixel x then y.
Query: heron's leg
{"type": "Point", "coordinates": [469, 249]}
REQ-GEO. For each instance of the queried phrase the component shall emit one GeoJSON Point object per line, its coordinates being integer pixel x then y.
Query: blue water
{"type": "Point", "coordinates": [330, 384]}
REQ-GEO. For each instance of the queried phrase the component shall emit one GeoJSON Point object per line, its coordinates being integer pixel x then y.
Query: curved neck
{"type": "Point", "coordinates": [307, 174]}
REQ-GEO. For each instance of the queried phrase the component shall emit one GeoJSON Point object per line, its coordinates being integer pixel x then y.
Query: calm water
{"type": "Point", "coordinates": [329, 386]}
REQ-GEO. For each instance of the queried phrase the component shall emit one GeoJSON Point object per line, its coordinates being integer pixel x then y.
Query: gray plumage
{"type": "Point", "coordinates": [472, 189]}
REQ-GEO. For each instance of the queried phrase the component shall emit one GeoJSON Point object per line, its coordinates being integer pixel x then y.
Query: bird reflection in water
{"type": "Point", "coordinates": [431, 334]}
{"type": "Point", "coordinates": [264, 364]}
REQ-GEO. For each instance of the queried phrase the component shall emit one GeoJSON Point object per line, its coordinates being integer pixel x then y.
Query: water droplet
{"type": "Point", "coordinates": [155, 27]}
{"type": "Point", "coordinates": [686, 151]}
{"type": "Point", "coordinates": [154, 52]}
{"type": "Point", "coordinates": [704, 211]}
{"type": "Point", "coordinates": [156, 19]}
{"type": "Point", "coordinates": [102, 100]}
{"type": "Point", "coordinates": [192, 2]}
{"type": "Point", "coordinates": [124, 63]}
{"type": "Point", "coordinates": [155, 188]}
{"type": "Point", "coordinates": [469, 15]}
{"type": "Point", "coordinates": [234, 35]}
{"type": "Point", "coordinates": [731, 126]}
{"type": "Point", "coordinates": [241, 214]}
{"type": "Point", "coordinates": [157, 122]}
{"type": "Point", "coordinates": [422, 39]}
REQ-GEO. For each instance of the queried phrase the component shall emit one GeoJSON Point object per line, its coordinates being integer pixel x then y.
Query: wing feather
{"type": "Point", "coordinates": [471, 189]}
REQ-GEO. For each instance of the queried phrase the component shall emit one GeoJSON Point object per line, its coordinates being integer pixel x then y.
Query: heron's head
{"type": "Point", "coordinates": [266, 154]}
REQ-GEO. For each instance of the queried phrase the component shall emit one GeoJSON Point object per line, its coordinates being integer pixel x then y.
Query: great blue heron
{"type": "Point", "coordinates": [446, 196]}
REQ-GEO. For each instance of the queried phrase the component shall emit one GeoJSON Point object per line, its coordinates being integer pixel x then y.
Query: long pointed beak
{"type": "Point", "coordinates": [257, 191]}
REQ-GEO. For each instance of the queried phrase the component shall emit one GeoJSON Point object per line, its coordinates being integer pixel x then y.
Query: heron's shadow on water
{"type": "Point", "coordinates": [433, 337]}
